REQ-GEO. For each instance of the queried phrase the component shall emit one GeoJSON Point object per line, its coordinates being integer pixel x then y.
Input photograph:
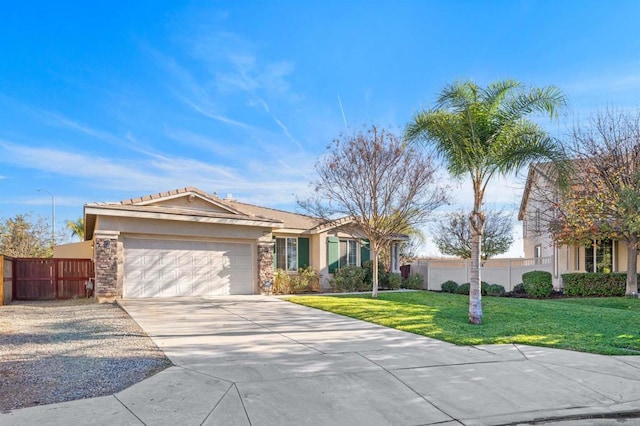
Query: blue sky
{"type": "Point", "coordinates": [102, 101]}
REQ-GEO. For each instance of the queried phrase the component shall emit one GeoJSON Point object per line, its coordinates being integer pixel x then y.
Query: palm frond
{"type": "Point", "coordinates": [549, 100]}
{"type": "Point", "coordinates": [523, 143]}
{"type": "Point", "coordinates": [458, 96]}
{"type": "Point", "coordinates": [495, 94]}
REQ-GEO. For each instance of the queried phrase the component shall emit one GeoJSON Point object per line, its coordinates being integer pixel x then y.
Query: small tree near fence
{"type": "Point", "coordinates": [452, 235]}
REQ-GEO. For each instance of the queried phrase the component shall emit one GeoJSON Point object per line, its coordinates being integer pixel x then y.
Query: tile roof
{"type": "Point", "coordinates": [236, 209]}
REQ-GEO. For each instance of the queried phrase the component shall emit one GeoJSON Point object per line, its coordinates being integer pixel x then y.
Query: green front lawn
{"type": "Point", "coordinates": [605, 325]}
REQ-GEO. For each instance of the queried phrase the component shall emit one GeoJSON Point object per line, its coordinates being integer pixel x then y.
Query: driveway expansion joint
{"type": "Point", "coordinates": [128, 409]}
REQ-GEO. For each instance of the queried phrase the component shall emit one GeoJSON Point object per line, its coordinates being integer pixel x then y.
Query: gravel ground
{"type": "Point", "coordinates": [58, 351]}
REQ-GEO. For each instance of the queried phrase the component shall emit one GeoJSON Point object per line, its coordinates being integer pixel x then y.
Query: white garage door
{"type": "Point", "coordinates": [168, 268]}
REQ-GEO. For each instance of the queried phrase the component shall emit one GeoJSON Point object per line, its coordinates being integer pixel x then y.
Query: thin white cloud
{"type": "Point", "coordinates": [604, 83]}
{"type": "Point", "coordinates": [259, 182]}
{"type": "Point", "coordinates": [127, 141]}
{"type": "Point", "coordinates": [62, 121]}
{"type": "Point", "coordinates": [46, 201]}
{"type": "Point", "coordinates": [189, 91]}
{"type": "Point", "coordinates": [197, 140]}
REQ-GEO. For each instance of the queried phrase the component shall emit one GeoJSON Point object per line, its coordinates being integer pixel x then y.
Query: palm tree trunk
{"type": "Point", "coordinates": [374, 258]}
{"type": "Point", "coordinates": [475, 296]}
{"type": "Point", "coordinates": [632, 265]}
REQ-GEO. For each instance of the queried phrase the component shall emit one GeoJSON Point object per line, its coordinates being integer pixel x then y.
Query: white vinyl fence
{"type": "Point", "coordinates": [506, 272]}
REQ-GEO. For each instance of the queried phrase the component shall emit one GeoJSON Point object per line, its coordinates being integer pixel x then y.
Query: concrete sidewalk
{"type": "Point", "coordinates": [255, 360]}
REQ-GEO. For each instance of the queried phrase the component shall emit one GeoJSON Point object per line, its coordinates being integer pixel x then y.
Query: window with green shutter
{"type": "Point", "coordinates": [365, 251]}
{"type": "Point", "coordinates": [333, 254]}
{"type": "Point", "coordinates": [303, 252]}
{"type": "Point", "coordinates": [286, 254]}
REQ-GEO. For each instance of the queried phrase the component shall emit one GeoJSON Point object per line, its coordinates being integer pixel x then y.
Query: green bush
{"type": "Point", "coordinates": [306, 280]}
{"type": "Point", "coordinates": [414, 281]}
{"type": "Point", "coordinates": [518, 289]}
{"type": "Point", "coordinates": [449, 286]}
{"type": "Point", "coordinates": [383, 280]}
{"type": "Point", "coordinates": [537, 284]}
{"type": "Point", "coordinates": [595, 284]}
{"type": "Point", "coordinates": [495, 290]}
{"type": "Point", "coordinates": [463, 288]}
{"type": "Point", "coordinates": [394, 281]}
{"type": "Point", "coordinates": [349, 278]}
{"type": "Point", "coordinates": [466, 288]}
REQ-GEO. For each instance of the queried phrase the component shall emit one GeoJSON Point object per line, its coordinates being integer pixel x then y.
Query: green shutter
{"type": "Point", "coordinates": [365, 251]}
{"type": "Point", "coordinates": [303, 252]}
{"type": "Point", "coordinates": [333, 253]}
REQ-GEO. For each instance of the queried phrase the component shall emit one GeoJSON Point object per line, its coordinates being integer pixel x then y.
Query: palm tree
{"type": "Point", "coordinates": [484, 132]}
{"type": "Point", "coordinates": [76, 227]}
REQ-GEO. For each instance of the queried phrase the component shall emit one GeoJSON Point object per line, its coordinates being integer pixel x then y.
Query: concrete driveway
{"type": "Point", "coordinates": [252, 360]}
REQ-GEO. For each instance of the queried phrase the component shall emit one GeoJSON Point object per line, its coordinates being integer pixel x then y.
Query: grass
{"type": "Point", "coordinates": [607, 326]}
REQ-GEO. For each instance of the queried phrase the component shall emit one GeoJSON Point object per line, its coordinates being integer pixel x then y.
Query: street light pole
{"type": "Point", "coordinates": [53, 216]}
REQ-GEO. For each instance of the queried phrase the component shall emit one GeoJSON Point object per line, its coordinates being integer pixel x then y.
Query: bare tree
{"type": "Point", "coordinates": [383, 186]}
{"type": "Point", "coordinates": [452, 235]}
{"type": "Point", "coordinates": [409, 249]}
{"type": "Point", "coordinates": [21, 237]}
{"type": "Point", "coordinates": [603, 200]}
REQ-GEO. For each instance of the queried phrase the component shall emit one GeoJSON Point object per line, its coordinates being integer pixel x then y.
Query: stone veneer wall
{"type": "Point", "coordinates": [265, 264]}
{"type": "Point", "coordinates": [106, 258]}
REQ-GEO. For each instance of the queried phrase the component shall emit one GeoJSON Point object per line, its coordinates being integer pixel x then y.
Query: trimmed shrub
{"type": "Point", "coordinates": [463, 288]}
{"type": "Point", "coordinates": [306, 280]}
{"type": "Point", "coordinates": [466, 288]}
{"type": "Point", "coordinates": [414, 281]}
{"type": "Point", "coordinates": [537, 284]}
{"type": "Point", "coordinates": [349, 278]}
{"type": "Point", "coordinates": [495, 290]}
{"type": "Point", "coordinates": [382, 274]}
{"type": "Point", "coordinates": [449, 286]}
{"type": "Point", "coordinates": [394, 280]}
{"type": "Point", "coordinates": [595, 284]}
{"type": "Point", "coordinates": [518, 289]}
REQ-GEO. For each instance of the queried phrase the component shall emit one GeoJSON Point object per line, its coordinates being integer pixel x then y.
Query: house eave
{"type": "Point", "coordinates": [91, 212]}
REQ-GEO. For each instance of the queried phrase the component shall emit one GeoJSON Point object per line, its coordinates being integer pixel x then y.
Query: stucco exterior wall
{"type": "Point", "coordinates": [190, 202]}
{"type": "Point", "coordinates": [178, 228]}
{"type": "Point", "coordinates": [81, 250]}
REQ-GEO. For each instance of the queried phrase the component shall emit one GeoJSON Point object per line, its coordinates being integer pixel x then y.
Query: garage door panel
{"type": "Point", "coordinates": [166, 268]}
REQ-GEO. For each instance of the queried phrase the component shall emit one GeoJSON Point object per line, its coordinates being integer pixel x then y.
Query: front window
{"type": "Point", "coordinates": [348, 253]}
{"type": "Point", "coordinates": [537, 251]}
{"type": "Point", "coordinates": [287, 254]}
{"type": "Point", "coordinates": [599, 257]}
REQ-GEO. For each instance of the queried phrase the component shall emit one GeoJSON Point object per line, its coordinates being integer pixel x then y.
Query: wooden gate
{"type": "Point", "coordinates": [46, 279]}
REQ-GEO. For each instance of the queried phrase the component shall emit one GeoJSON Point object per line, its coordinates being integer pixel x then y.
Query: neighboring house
{"type": "Point", "coordinates": [189, 243]}
{"type": "Point", "coordinates": [536, 210]}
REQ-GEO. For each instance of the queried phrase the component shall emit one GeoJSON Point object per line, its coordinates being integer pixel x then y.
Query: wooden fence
{"type": "Point", "coordinates": [6, 280]}
{"type": "Point", "coordinates": [46, 279]}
